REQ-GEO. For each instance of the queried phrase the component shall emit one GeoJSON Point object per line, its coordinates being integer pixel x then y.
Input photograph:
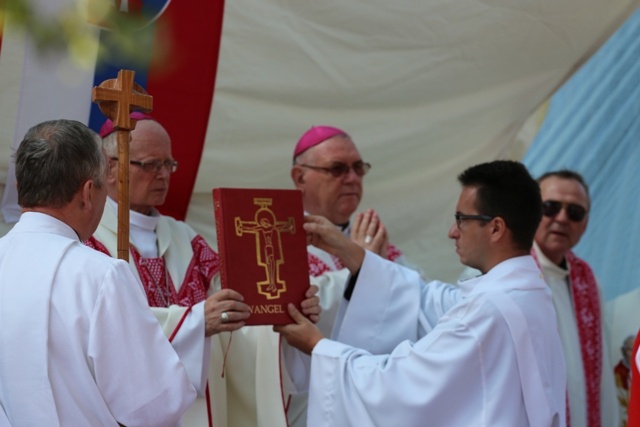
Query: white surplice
{"type": "Point", "coordinates": [78, 345]}
{"type": "Point", "coordinates": [558, 280]}
{"type": "Point", "coordinates": [162, 236]}
{"type": "Point", "coordinates": [249, 394]}
{"type": "Point", "coordinates": [331, 285]}
{"type": "Point", "coordinates": [433, 354]}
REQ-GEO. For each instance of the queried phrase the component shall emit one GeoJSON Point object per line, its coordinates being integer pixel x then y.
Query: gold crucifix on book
{"type": "Point", "coordinates": [269, 255]}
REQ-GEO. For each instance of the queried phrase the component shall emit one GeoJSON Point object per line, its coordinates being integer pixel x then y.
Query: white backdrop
{"type": "Point", "coordinates": [426, 88]}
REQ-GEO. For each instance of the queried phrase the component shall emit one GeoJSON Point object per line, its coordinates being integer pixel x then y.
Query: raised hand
{"type": "Point", "coordinates": [368, 231]}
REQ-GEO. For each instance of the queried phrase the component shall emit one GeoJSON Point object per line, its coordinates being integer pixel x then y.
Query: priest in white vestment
{"type": "Point", "coordinates": [239, 375]}
{"type": "Point", "coordinates": [485, 353]}
{"type": "Point", "coordinates": [78, 345]}
{"type": "Point", "coordinates": [577, 298]}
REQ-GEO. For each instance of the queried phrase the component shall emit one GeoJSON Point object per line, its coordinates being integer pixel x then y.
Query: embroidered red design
{"type": "Point", "coordinates": [204, 264]}
{"type": "Point", "coordinates": [586, 301]}
{"type": "Point", "coordinates": [317, 267]}
{"type": "Point", "coordinates": [393, 253]}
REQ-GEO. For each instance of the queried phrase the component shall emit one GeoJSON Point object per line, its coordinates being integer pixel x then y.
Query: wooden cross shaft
{"type": "Point", "coordinates": [117, 98]}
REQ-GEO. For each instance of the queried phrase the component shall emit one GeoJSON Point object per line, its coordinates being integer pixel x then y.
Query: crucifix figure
{"type": "Point", "coordinates": [268, 245]}
{"type": "Point", "coordinates": [117, 98]}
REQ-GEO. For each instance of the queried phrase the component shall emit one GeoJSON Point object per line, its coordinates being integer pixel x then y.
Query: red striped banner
{"type": "Point", "coordinates": [186, 39]}
{"type": "Point", "coordinates": [183, 89]}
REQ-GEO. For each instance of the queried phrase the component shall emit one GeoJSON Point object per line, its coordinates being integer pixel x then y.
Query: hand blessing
{"type": "Point", "coordinates": [370, 233]}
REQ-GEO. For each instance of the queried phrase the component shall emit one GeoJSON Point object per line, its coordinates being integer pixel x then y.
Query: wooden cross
{"type": "Point", "coordinates": [117, 98]}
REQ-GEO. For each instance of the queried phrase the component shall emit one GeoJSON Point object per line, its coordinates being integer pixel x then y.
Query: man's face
{"type": "Point", "coordinates": [557, 234]}
{"type": "Point", "coordinates": [472, 236]}
{"type": "Point", "coordinates": [335, 198]}
{"type": "Point", "coordinates": [149, 142]}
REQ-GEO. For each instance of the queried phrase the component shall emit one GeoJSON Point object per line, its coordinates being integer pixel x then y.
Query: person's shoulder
{"type": "Point", "coordinates": [91, 256]}
{"type": "Point", "coordinates": [176, 226]}
{"type": "Point", "coordinates": [172, 222]}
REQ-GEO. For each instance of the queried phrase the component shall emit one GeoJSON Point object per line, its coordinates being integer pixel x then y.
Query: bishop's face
{"type": "Point", "coordinates": [148, 187]}
{"type": "Point", "coordinates": [335, 198]}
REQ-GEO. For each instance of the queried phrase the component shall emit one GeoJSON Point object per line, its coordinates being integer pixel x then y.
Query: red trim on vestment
{"type": "Point", "coordinates": [177, 328]}
{"type": "Point", "coordinates": [209, 409]}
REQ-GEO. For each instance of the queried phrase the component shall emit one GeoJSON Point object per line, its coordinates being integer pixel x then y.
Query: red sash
{"type": "Point", "coordinates": [584, 292]}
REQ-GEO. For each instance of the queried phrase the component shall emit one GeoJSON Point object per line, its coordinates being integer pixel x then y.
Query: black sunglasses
{"type": "Point", "coordinates": [575, 212]}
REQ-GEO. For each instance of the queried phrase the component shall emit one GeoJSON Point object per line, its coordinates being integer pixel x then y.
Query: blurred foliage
{"type": "Point", "coordinates": [75, 27]}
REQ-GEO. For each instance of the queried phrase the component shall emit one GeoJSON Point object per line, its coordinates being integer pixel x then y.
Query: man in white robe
{"type": "Point", "coordinates": [78, 345]}
{"type": "Point", "coordinates": [577, 299]}
{"type": "Point", "coordinates": [238, 376]}
{"type": "Point", "coordinates": [486, 353]}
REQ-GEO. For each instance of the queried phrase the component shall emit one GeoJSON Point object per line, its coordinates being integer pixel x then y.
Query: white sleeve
{"type": "Point", "coordinates": [331, 291]}
{"type": "Point", "coordinates": [390, 304]}
{"type": "Point", "coordinates": [350, 386]}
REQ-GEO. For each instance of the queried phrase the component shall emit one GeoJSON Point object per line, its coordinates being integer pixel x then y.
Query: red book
{"type": "Point", "coordinates": [263, 249]}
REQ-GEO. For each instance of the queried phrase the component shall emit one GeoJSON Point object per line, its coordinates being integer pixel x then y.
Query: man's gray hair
{"type": "Point", "coordinates": [54, 160]}
{"type": "Point", "coordinates": [110, 144]}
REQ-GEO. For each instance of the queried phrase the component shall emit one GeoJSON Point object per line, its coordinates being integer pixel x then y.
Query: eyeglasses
{"type": "Point", "coordinates": [154, 165]}
{"type": "Point", "coordinates": [575, 212]}
{"type": "Point", "coordinates": [462, 217]}
{"type": "Point", "coordinates": [338, 170]}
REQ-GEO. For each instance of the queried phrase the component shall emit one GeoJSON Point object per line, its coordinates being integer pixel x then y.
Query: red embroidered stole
{"type": "Point", "coordinates": [318, 267]}
{"type": "Point", "coordinates": [154, 276]}
{"type": "Point", "coordinates": [584, 292]}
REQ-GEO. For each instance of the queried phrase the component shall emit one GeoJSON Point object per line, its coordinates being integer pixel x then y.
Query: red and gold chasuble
{"type": "Point", "coordinates": [158, 284]}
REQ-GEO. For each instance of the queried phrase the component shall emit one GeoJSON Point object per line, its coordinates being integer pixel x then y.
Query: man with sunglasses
{"type": "Point", "coordinates": [328, 169]}
{"type": "Point", "coordinates": [576, 298]}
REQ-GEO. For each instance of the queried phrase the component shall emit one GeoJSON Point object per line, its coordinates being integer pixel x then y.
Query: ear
{"type": "Point", "coordinates": [86, 195]}
{"type": "Point", "coordinates": [297, 176]}
{"type": "Point", "coordinates": [112, 173]}
{"type": "Point", "coordinates": [498, 228]}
